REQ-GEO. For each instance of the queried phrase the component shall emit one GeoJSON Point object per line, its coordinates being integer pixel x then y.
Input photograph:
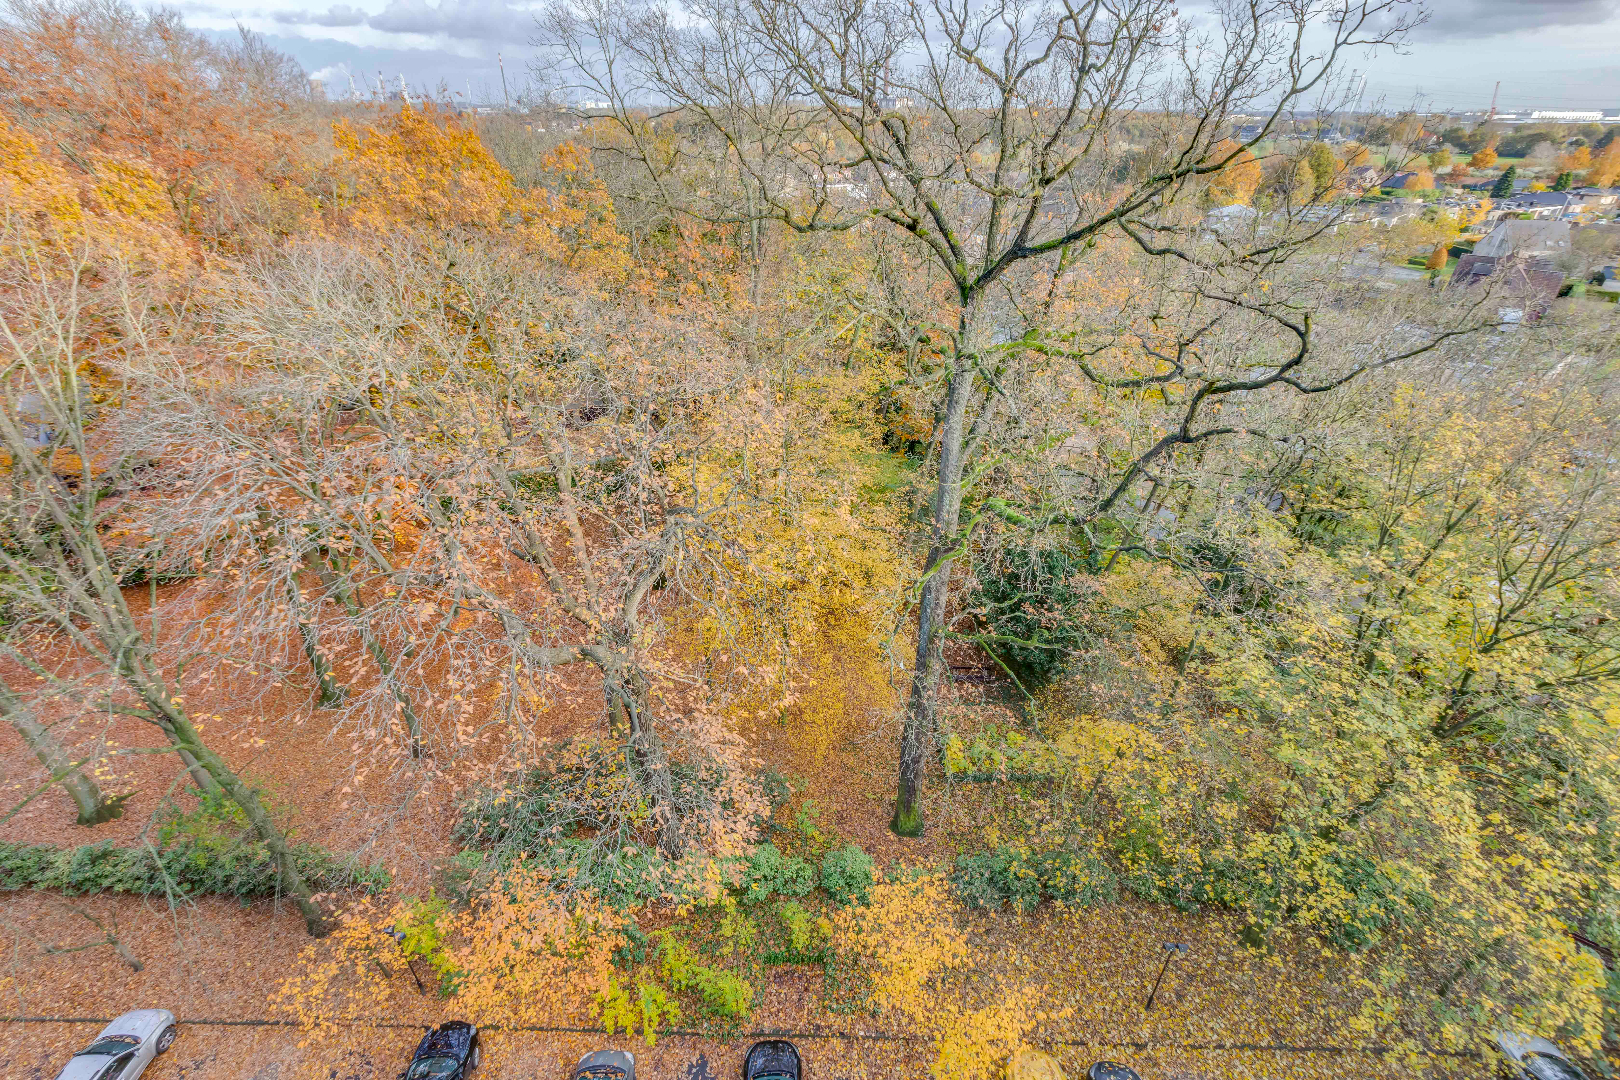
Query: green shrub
{"type": "Point", "coordinates": [651, 1008]}
{"type": "Point", "coordinates": [722, 993]}
{"type": "Point", "coordinates": [846, 874]}
{"type": "Point", "coordinates": [1338, 894]}
{"type": "Point", "coordinates": [1009, 875]}
{"type": "Point", "coordinates": [1029, 605]}
{"type": "Point", "coordinates": [209, 850]}
{"type": "Point", "coordinates": [577, 821]}
{"type": "Point", "coordinates": [421, 933]}
{"type": "Point", "coordinates": [185, 867]}
{"type": "Point", "coordinates": [803, 938]}
{"type": "Point", "coordinates": [771, 873]}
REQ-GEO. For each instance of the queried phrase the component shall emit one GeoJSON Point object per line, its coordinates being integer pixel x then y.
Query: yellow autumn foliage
{"type": "Point", "coordinates": [519, 954]}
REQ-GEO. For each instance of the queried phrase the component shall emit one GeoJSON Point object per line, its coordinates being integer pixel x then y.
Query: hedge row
{"type": "Point", "coordinates": [187, 867]}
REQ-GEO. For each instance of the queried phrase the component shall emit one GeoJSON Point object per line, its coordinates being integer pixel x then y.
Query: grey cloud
{"type": "Point", "coordinates": [336, 15]}
{"type": "Point", "coordinates": [492, 21]}
{"type": "Point", "coordinates": [424, 69]}
{"type": "Point", "coordinates": [1456, 19]}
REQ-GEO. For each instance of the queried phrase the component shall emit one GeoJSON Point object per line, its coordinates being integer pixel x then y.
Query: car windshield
{"type": "Point", "coordinates": [433, 1066]}
{"type": "Point", "coordinates": [1547, 1067]}
{"type": "Point", "coordinates": [605, 1072]}
{"type": "Point", "coordinates": [110, 1045]}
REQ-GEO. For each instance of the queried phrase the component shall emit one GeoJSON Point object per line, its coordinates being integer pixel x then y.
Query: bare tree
{"type": "Point", "coordinates": [1006, 141]}
{"type": "Point", "coordinates": [487, 473]}
{"type": "Point", "coordinates": [59, 579]}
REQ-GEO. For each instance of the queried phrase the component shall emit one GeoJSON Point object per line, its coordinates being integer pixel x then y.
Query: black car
{"type": "Point", "coordinates": [605, 1065]}
{"type": "Point", "coordinates": [773, 1059]}
{"type": "Point", "coordinates": [1111, 1070]}
{"type": "Point", "coordinates": [448, 1052]}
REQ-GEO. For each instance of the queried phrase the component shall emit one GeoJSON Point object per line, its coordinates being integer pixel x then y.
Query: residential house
{"type": "Point", "coordinates": [1535, 204]}
{"type": "Point", "coordinates": [1531, 283]}
{"type": "Point", "coordinates": [1594, 200]}
{"type": "Point", "coordinates": [1362, 177]}
{"type": "Point", "coordinates": [1528, 238]}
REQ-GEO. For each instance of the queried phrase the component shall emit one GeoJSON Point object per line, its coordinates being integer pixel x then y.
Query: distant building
{"type": "Point", "coordinates": [1531, 283]}
{"type": "Point", "coordinates": [1362, 177]}
{"type": "Point", "coordinates": [1568, 116]}
{"type": "Point", "coordinates": [1594, 200]}
{"type": "Point", "coordinates": [1534, 204]}
{"type": "Point", "coordinates": [1232, 217]}
{"type": "Point", "coordinates": [1527, 238]}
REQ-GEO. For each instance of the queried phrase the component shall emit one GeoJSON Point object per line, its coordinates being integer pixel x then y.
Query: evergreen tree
{"type": "Point", "coordinates": [1564, 182]}
{"type": "Point", "coordinates": [1504, 183]}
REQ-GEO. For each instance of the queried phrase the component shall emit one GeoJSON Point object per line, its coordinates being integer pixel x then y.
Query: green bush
{"type": "Point", "coordinates": [802, 938]}
{"type": "Point", "coordinates": [722, 993]}
{"type": "Point", "coordinates": [1028, 605]}
{"type": "Point", "coordinates": [846, 874]}
{"type": "Point", "coordinates": [185, 866]}
{"type": "Point", "coordinates": [574, 821]}
{"type": "Point", "coordinates": [771, 873]}
{"type": "Point", "coordinates": [1009, 875]}
{"type": "Point", "coordinates": [625, 878]}
{"type": "Point", "coordinates": [1288, 883]}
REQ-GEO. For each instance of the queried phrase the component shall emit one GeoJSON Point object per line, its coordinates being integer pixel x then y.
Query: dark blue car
{"type": "Point", "coordinates": [448, 1052]}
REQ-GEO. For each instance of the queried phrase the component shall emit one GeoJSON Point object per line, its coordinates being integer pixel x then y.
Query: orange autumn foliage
{"type": "Point", "coordinates": [1237, 181]}
{"type": "Point", "coordinates": [115, 208]}
{"type": "Point", "coordinates": [423, 167]}
{"type": "Point", "coordinates": [1605, 168]}
{"type": "Point", "coordinates": [208, 124]}
{"type": "Point", "coordinates": [1576, 159]}
{"type": "Point", "coordinates": [918, 962]}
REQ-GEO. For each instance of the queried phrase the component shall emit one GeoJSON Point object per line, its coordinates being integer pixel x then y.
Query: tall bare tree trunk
{"type": "Point", "coordinates": [917, 736]}
{"type": "Point", "coordinates": [628, 715]}
{"type": "Point", "coordinates": [185, 738]}
{"type": "Point", "coordinates": [379, 656]}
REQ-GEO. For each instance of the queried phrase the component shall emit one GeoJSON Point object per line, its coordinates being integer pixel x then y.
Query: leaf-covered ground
{"type": "Point", "coordinates": [1222, 1011]}
{"type": "Point", "coordinates": [218, 961]}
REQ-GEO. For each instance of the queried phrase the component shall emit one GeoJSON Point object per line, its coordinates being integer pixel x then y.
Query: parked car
{"type": "Point", "coordinates": [606, 1065]}
{"type": "Point", "coordinates": [773, 1059]}
{"type": "Point", "coordinates": [1530, 1058]}
{"type": "Point", "coordinates": [448, 1052]}
{"type": "Point", "coordinates": [1111, 1070]}
{"type": "Point", "coordinates": [124, 1048]}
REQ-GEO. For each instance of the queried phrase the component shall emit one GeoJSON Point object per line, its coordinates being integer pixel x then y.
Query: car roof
{"type": "Point", "coordinates": [140, 1022]}
{"type": "Point", "coordinates": [83, 1068]}
{"type": "Point", "coordinates": [1517, 1044]}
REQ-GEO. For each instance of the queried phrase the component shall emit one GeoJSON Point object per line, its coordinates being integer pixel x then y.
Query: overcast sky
{"type": "Point", "coordinates": [1551, 54]}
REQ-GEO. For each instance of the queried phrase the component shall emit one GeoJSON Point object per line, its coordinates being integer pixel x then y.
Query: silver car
{"type": "Point", "coordinates": [1531, 1058]}
{"type": "Point", "coordinates": [124, 1048]}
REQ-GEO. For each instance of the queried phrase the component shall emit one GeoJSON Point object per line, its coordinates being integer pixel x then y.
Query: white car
{"type": "Point", "coordinates": [1536, 1059]}
{"type": "Point", "coordinates": [124, 1048]}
